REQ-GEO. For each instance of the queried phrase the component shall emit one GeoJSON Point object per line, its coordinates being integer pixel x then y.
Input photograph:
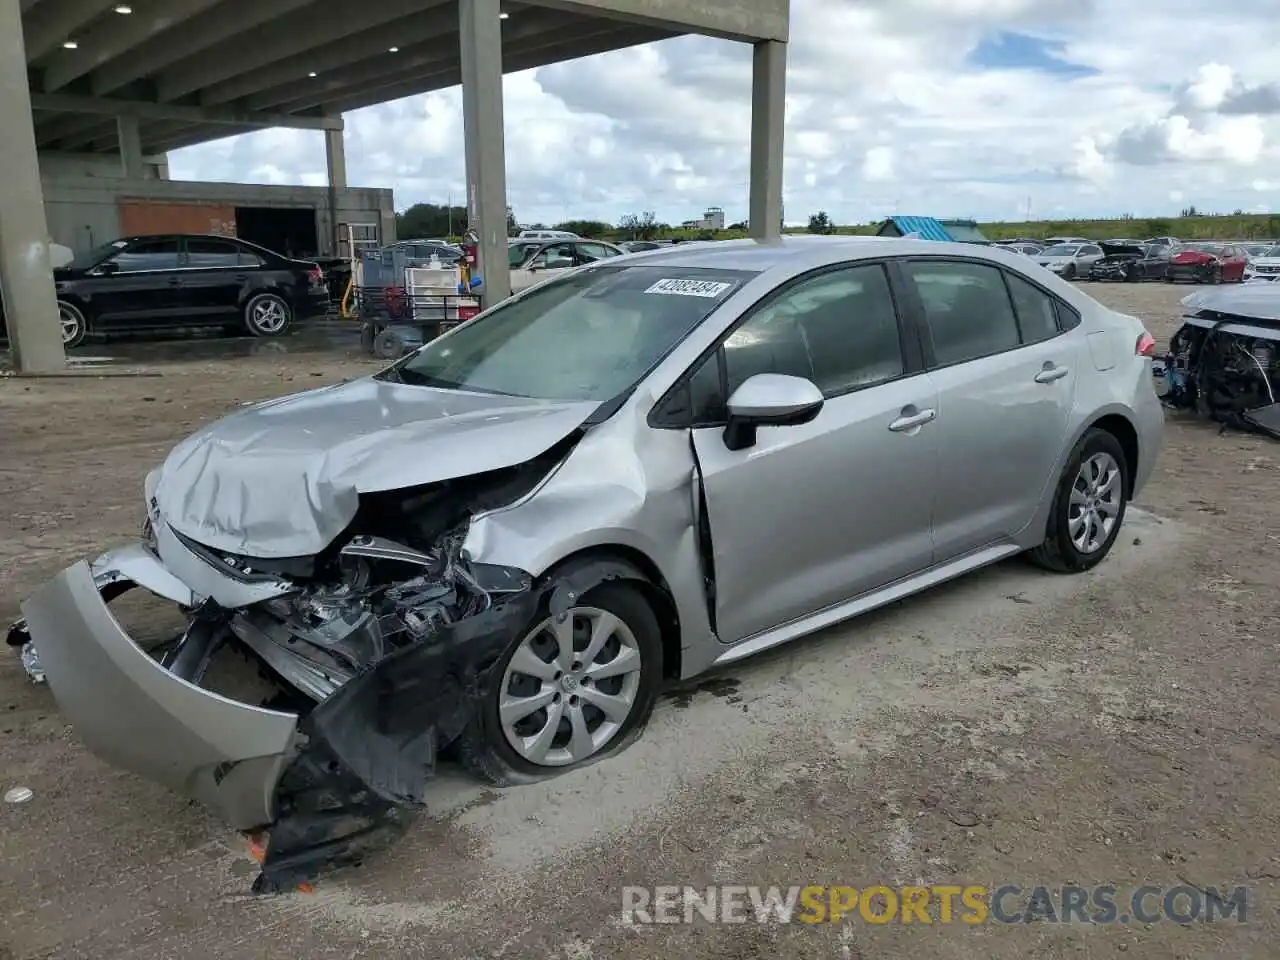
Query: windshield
{"type": "Point", "coordinates": [1060, 250]}
{"type": "Point", "coordinates": [589, 336]}
{"type": "Point", "coordinates": [1271, 251]}
{"type": "Point", "coordinates": [92, 258]}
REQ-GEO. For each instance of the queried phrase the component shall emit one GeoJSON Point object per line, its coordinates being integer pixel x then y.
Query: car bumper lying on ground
{"type": "Point", "coordinates": [327, 783]}
{"type": "Point", "coordinates": [139, 715]}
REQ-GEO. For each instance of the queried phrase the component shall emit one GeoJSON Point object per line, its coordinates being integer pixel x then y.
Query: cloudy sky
{"type": "Point", "coordinates": [942, 107]}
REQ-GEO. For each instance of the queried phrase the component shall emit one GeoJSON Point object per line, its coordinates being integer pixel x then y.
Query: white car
{"type": "Point", "coordinates": [534, 262]}
{"type": "Point", "coordinates": [1264, 266]}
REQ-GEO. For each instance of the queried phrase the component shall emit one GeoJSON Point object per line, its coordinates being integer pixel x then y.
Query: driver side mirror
{"type": "Point", "coordinates": [769, 400]}
{"type": "Point", "coordinates": [106, 268]}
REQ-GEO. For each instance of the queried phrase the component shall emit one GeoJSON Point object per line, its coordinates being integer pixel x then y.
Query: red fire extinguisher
{"type": "Point", "coordinates": [470, 258]}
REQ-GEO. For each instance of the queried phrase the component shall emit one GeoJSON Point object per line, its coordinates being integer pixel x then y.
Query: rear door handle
{"type": "Point", "coordinates": [910, 421]}
{"type": "Point", "coordinates": [240, 278]}
{"type": "Point", "coordinates": [175, 281]}
{"type": "Point", "coordinates": [1051, 373]}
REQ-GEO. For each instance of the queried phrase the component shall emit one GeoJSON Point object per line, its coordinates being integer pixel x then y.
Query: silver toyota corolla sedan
{"type": "Point", "coordinates": [507, 541]}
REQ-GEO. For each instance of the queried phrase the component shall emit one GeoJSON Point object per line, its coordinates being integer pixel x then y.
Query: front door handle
{"type": "Point", "coordinates": [175, 281]}
{"type": "Point", "coordinates": [910, 421]}
{"type": "Point", "coordinates": [1051, 373]}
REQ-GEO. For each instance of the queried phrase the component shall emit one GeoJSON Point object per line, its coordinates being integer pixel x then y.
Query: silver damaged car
{"type": "Point", "coordinates": [506, 542]}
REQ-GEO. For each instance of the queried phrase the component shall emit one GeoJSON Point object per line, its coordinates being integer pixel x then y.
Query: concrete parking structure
{"type": "Point", "coordinates": [138, 80]}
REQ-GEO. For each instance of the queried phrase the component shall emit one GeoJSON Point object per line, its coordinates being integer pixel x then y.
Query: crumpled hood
{"type": "Point", "coordinates": [282, 478]}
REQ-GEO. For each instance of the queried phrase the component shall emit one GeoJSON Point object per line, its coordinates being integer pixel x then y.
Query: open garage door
{"type": "Point", "coordinates": [290, 231]}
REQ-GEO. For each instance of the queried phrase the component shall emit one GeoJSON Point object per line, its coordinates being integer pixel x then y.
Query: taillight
{"type": "Point", "coordinates": [316, 276]}
{"type": "Point", "coordinates": [1146, 346]}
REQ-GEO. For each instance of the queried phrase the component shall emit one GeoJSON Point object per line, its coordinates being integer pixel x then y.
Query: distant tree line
{"type": "Point", "coordinates": [428, 220]}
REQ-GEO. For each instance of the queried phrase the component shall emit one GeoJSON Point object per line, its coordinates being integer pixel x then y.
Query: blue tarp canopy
{"type": "Point", "coordinates": [927, 227]}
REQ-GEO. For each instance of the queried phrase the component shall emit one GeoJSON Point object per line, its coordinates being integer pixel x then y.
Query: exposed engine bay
{"type": "Point", "coordinates": [1224, 362]}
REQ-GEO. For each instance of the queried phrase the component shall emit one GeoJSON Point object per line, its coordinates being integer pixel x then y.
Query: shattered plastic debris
{"type": "Point", "coordinates": [18, 795]}
{"type": "Point", "coordinates": [358, 784]}
{"type": "Point", "coordinates": [31, 662]}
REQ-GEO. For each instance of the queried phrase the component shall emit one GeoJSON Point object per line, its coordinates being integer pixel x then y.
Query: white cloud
{"type": "Point", "coordinates": [878, 91]}
{"type": "Point", "coordinates": [878, 164]}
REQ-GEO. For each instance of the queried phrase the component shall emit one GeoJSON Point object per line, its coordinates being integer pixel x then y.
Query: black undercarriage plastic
{"type": "Point", "coordinates": [359, 781]}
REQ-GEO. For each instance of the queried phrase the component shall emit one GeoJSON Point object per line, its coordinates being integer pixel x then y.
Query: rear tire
{"type": "Point", "coordinates": [1076, 536]}
{"type": "Point", "coordinates": [486, 747]}
{"type": "Point", "coordinates": [267, 315]}
{"type": "Point", "coordinates": [1069, 272]}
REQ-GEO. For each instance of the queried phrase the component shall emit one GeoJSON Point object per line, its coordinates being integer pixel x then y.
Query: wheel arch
{"type": "Point", "coordinates": [1122, 428]}
{"type": "Point", "coordinates": [645, 575]}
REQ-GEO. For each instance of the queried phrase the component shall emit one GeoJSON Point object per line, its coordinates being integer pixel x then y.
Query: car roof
{"type": "Point", "coordinates": [804, 252]}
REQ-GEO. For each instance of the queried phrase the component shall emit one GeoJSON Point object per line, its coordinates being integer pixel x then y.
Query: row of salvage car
{"type": "Point", "coordinates": [1210, 262]}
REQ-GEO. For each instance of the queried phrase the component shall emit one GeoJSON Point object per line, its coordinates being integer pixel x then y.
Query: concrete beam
{"type": "Point", "coordinates": [480, 33]}
{"type": "Point", "coordinates": [26, 274]}
{"type": "Point", "coordinates": [116, 36]}
{"type": "Point", "coordinates": [748, 20]}
{"type": "Point", "coordinates": [73, 128]}
{"type": "Point", "coordinates": [428, 58]}
{"type": "Point", "coordinates": [276, 41]}
{"type": "Point", "coordinates": [50, 24]}
{"type": "Point", "coordinates": [373, 44]}
{"type": "Point", "coordinates": [195, 135]}
{"type": "Point", "coordinates": [393, 88]}
{"type": "Point", "coordinates": [169, 111]}
{"type": "Point", "coordinates": [230, 18]}
{"type": "Point", "coordinates": [768, 120]}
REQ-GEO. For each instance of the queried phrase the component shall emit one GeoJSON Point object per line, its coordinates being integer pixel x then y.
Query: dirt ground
{"type": "Point", "coordinates": [1118, 728]}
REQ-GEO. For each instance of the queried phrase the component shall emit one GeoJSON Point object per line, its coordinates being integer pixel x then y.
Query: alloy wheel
{"type": "Point", "coordinates": [70, 321]}
{"type": "Point", "coordinates": [569, 687]}
{"type": "Point", "coordinates": [269, 315]}
{"type": "Point", "coordinates": [1094, 507]}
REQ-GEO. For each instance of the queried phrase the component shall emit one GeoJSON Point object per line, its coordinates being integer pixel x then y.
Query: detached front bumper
{"type": "Point", "coordinates": [137, 715]}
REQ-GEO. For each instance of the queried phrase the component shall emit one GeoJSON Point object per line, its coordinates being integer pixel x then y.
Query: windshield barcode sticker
{"type": "Point", "coordinates": [690, 288]}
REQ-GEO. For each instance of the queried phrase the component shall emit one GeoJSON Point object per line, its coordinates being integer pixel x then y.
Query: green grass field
{"type": "Point", "coordinates": [1239, 226]}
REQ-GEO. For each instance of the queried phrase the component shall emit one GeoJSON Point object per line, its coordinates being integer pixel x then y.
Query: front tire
{"type": "Point", "coordinates": [267, 315]}
{"type": "Point", "coordinates": [567, 694]}
{"type": "Point", "coordinates": [72, 321]}
{"type": "Point", "coordinates": [1088, 507]}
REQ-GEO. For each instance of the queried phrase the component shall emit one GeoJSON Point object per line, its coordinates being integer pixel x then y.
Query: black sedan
{"type": "Point", "coordinates": [147, 283]}
{"type": "Point", "coordinates": [1131, 262]}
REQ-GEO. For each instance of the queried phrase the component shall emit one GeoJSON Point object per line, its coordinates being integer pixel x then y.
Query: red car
{"type": "Point", "coordinates": [1208, 263]}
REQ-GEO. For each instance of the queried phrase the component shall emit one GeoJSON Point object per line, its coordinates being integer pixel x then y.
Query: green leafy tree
{"type": "Point", "coordinates": [821, 223]}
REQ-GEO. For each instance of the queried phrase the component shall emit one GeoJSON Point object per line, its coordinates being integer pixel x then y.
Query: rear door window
{"type": "Point", "coordinates": [967, 309]}
{"type": "Point", "coordinates": [1037, 311]}
{"type": "Point", "coordinates": [202, 253]}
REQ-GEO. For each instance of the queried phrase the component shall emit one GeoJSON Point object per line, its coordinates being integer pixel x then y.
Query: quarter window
{"type": "Point", "coordinates": [967, 307]}
{"type": "Point", "coordinates": [1037, 314]}
{"type": "Point", "coordinates": [838, 329]}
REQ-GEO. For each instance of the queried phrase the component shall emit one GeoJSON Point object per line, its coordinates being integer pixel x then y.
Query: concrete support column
{"type": "Point", "coordinates": [26, 278]}
{"type": "Point", "coordinates": [131, 160]}
{"type": "Point", "coordinates": [335, 160]}
{"type": "Point", "coordinates": [768, 119]}
{"type": "Point", "coordinates": [480, 28]}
